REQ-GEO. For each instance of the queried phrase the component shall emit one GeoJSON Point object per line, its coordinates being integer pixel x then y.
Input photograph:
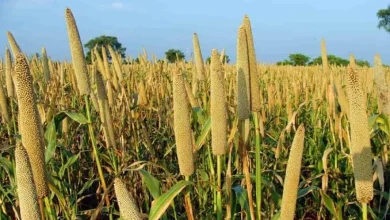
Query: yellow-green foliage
{"type": "Point", "coordinates": [218, 106]}
{"type": "Point", "coordinates": [127, 206]}
{"type": "Point", "coordinates": [27, 194]}
{"type": "Point", "coordinates": [291, 181]}
{"type": "Point", "coordinates": [360, 138]}
{"type": "Point", "coordinates": [243, 86]}
{"type": "Point", "coordinates": [78, 59]}
{"type": "Point", "coordinates": [182, 126]}
{"type": "Point", "coordinates": [30, 124]}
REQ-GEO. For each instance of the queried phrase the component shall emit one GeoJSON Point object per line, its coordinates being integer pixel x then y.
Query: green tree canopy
{"type": "Point", "coordinates": [285, 63]}
{"type": "Point", "coordinates": [332, 60]}
{"type": "Point", "coordinates": [295, 59]}
{"type": "Point", "coordinates": [299, 59]}
{"type": "Point", "coordinates": [172, 55]}
{"type": "Point", "coordinates": [384, 18]}
{"type": "Point", "coordinates": [362, 63]}
{"type": "Point", "coordinates": [226, 59]}
{"type": "Point", "coordinates": [104, 41]}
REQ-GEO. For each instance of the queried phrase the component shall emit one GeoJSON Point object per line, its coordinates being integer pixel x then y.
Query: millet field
{"type": "Point", "coordinates": [118, 139]}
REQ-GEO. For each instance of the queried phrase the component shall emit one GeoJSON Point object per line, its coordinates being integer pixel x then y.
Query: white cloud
{"type": "Point", "coordinates": [120, 6]}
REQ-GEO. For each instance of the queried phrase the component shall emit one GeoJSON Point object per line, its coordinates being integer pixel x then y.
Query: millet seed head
{"type": "Point", "coordinates": [324, 56]}
{"type": "Point", "coordinates": [115, 60]}
{"type": "Point", "coordinates": [198, 58]}
{"type": "Point", "coordinates": [30, 124]}
{"type": "Point", "coordinates": [182, 125]}
{"type": "Point", "coordinates": [78, 59]}
{"type": "Point", "coordinates": [8, 73]}
{"type": "Point", "coordinates": [45, 63]}
{"type": "Point", "coordinates": [14, 45]}
{"type": "Point", "coordinates": [381, 85]}
{"type": "Point", "coordinates": [27, 195]}
{"type": "Point", "coordinates": [360, 138]}
{"type": "Point", "coordinates": [243, 84]}
{"type": "Point", "coordinates": [218, 106]}
{"type": "Point", "coordinates": [101, 90]}
{"type": "Point", "coordinates": [291, 180]}
{"type": "Point", "coordinates": [127, 207]}
{"type": "Point", "coordinates": [253, 73]}
{"type": "Point", "coordinates": [3, 104]}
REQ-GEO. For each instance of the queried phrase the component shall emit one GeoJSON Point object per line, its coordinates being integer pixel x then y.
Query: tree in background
{"type": "Point", "coordinates": [103, 41]}
{"type": "Point", "coordinates": [332, 60]}
{"type": "Point", "coordinates": [172, 55]}
{"type": "Point", "coordinates": [362, 63]}
{"type": "Point", "coordinates": [295, 59]}
{"type": "Point", "coordinates": [285, 63]}
{"type": "Point", "coordinates": [226, 59]}
{"type": "Point", "coordinates": [299, 59]}
{"type": "Point", "coordinates": [384, 18]}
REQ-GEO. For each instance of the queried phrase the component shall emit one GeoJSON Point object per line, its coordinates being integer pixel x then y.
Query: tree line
{"type": "Point", "coordinates": [298, 59]}
{"type": "Point", "coordinates": [171, 55]}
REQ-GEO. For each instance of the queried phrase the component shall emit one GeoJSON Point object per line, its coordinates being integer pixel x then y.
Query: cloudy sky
{"type": "Point", "coordinates": [280, 27]}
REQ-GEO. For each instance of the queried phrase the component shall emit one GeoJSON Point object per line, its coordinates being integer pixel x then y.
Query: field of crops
{"type": "Point", "coordinates": [191, 139]}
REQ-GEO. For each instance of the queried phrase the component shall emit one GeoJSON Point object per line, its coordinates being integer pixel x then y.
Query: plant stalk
{"type": "Point", "coordinates": [95, 150]}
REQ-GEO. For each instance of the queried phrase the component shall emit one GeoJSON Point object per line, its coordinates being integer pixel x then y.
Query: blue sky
{"type": "Point", "coordinates": [280, 27]}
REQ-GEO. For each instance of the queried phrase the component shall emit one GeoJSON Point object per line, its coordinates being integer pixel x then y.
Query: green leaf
{"type": "Point", "coordinates": [152, 183]}
{"type": "Point", "coordinates": [276, 216]}
{"type": "Point", "coordinates": [233, 203]}
{"type": "Point", "coordinates": [160, 204]}
{"type": "Point", "coordinates": [329, 204]}
{"type": "Point", "coordinates": [304, 191]}
{"type": "Point", "coordinates": [80, 118]}
{"type": "Point", "coordinates": [242, 196]}
{"type": "Point", "coordinates": [7, 166]}
{"type": "Point", "coordinates": [87, 185]}
{"type": "Point", "coordinates": [50, 137]}
{"type": "Point", "coordinates": [372, 120]}
{"type": "Point", "coordinates": [69, 163]}
{"type": "Point", "coordinates": [373, 216]}
{"type": "Point", "coordinates": [198, 114]}
{"type": "Point", "coordinates": [384, 121]}
{"type": "Point", "coordinates": [58, 118]}
{"type": "Point", "coordinates": [203, 135]}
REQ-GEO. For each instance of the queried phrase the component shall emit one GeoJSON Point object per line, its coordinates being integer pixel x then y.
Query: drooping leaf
{"type": "Point", "coordinates": [80, 118]}
{"type": "Point", "coordinates": [69, 163]}
{"type": "Point", "coordinates": [160, 204]}
{"type": "Point", "coordinates": [203, 135]}
{"type": "Point", "coordinates": [152, 183]}
{"type": "Point", "coordinates": [329, 204]}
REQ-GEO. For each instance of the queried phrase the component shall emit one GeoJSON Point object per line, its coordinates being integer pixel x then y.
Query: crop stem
{"type": "Point", "coordinates": [95, 150]}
